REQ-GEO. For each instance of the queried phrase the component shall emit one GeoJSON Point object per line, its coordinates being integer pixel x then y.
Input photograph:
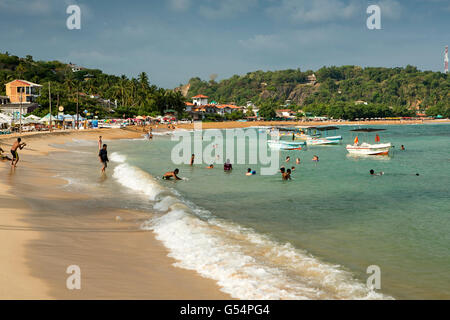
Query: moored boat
{"type": "Point", "coordinates": [367, 148]}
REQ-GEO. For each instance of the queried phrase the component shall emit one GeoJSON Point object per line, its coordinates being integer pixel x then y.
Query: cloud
{"type": "Point", "coordinates": [226, 8]}
{"type": "Point", "coordinates": [179, 5]}
{"type": "Point", "coordinates": [31, 7]}
{"type": "Point", "coordinates": [304, 11]}
{"type": "Point", "coordinates": [261, 41]}
{"type": "Point", "coordinates": [390, 9]}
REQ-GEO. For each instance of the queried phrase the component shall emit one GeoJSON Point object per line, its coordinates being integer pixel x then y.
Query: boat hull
{"type": "Point", "coordinates": [285, 145]}
{"type": "Point", "coordinates": [324, 141]}
{"type": "Point", "coordinates": [369, 149]}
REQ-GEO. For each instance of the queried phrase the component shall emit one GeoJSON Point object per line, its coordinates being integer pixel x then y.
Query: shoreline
{"type": "Point", "coordinates": [44, 232]}
{"type": "Point", "coordinates": [237, 124]}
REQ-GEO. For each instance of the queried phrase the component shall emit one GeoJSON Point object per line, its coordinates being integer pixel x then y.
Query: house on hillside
{"type": "Point", "coordinates": [286, 113]}
{"type": "Point", "coordinates": [251, 106]}
{"type": "Point", "coordinates": [200, 100]}
{"type": "Point", "coordinates": [311, 79]}
{"type": "Point", "coordinates": [22, 91]}
{"type": "Point", "coordinates": [75, 68]}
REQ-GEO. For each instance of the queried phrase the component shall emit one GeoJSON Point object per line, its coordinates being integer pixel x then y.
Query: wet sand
{"type": "Point", "coordinates": [44, 229]}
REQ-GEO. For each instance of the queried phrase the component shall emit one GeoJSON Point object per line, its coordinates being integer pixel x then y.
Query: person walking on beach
{"type": "Point", "coordinates": [103, 156]}
{"type": "Point", "coordinates": [17, 145]}
{"type": "Point", "coordinates": [100, 143]}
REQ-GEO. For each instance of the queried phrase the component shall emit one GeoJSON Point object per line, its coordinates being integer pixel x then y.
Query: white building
{"type": "Point", "coordinates": [200, 100]}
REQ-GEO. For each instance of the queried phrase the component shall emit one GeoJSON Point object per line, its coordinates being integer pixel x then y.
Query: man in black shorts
{"type": "Point", "coordinates": [103, 155]}
{"type": "Point", "coordinates": [17, 145]}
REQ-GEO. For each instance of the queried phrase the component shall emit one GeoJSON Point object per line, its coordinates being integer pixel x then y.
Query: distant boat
{"type": "Point", "coordinates": [314, 136]}
{"type": "Point", "coordinates": [367, 148]}
{"type": "Point", "coordinates": [285, 145]}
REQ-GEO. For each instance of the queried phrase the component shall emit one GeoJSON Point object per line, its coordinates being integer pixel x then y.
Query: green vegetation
{"type": "Point", "coordinates": [133, 96]}
{"type": "Point", "coordinates": [388, 91]}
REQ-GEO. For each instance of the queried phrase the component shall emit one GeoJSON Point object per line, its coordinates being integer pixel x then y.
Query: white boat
{"type": "Point", "coordinates": [368, 149]}
{"type": "Point", "coordinates": [323, 141]}
{"type": "Point", "coordinates": [285, 145]}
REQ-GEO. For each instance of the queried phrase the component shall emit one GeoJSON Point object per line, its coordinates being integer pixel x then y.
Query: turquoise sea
{"type": "Point", "coordinates": [309, 238]}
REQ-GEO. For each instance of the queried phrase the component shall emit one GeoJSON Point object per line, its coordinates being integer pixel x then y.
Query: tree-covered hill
{"type": "Point", "coordinates": [393, 88]}
{"type": "Point", "coordinates": [134, 96]}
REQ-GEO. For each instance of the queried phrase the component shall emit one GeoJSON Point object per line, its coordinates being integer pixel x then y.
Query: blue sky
{"type": "Point", "coordinates": [174, 40]}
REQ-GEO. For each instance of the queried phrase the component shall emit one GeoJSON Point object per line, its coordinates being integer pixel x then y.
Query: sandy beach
{"type": "Point", "coordinates": [42, 233]}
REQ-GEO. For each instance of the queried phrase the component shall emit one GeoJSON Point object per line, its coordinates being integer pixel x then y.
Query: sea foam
{"type": "Point", "coordinates": [245, 264]}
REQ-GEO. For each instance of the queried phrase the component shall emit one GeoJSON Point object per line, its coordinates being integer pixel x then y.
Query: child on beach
{"type": "Point", "coordinates": [103, 156]}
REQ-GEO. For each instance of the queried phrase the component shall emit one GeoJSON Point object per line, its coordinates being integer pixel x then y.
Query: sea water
{"type": "Point", "coordinates": [309, 238]}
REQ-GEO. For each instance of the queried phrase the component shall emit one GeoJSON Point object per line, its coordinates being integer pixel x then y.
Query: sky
{"type": "Point", "coordinates": [175, 40]}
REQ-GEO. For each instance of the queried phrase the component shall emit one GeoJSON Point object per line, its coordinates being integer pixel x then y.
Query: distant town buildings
{"type": "Point", "coordinates": [200, 107]}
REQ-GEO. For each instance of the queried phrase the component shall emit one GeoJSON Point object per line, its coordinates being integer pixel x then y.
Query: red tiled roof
{"type": "Point", "coordinates": [25, 83]}
{"type": "Point", "coordinates": [189, 103]}
{"type": "Point", "coordinates": [200, 96]}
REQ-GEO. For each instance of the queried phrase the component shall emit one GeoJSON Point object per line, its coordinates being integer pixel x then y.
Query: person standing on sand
{"type": "Point", "coordinates": [17, 145]}
{"type": "Point", "coordinates": [103, 156]}
{"type": "Point", "coordinates": [100, 143]}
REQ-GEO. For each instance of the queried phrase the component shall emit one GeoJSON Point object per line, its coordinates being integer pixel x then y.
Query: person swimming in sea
{"type": "Point", "coordinates": [227, 166]}
{"type": "Point", "coordinates": [249, 172]}
{"type": "Point", "coordinates": [402, 148]}
{"type": "Point", "coordinates": [315, 159]}
{"type": "Point", "coordinates": [288, 159]}
{"type": "Point", "coordinates": [172, 174]}
{"type": "Point", "coordinates": [293, 168]}
{"type": "Point", "coordinates": [211, 166]}
{"type": "Point", "coordinates": [286, 175]}
{"type": "Point", "coordinates": [372, 173]}
{"type": "Point", "coordinates": [297, 161]}
{"type": "Point", "coordinates": [192, 159]}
